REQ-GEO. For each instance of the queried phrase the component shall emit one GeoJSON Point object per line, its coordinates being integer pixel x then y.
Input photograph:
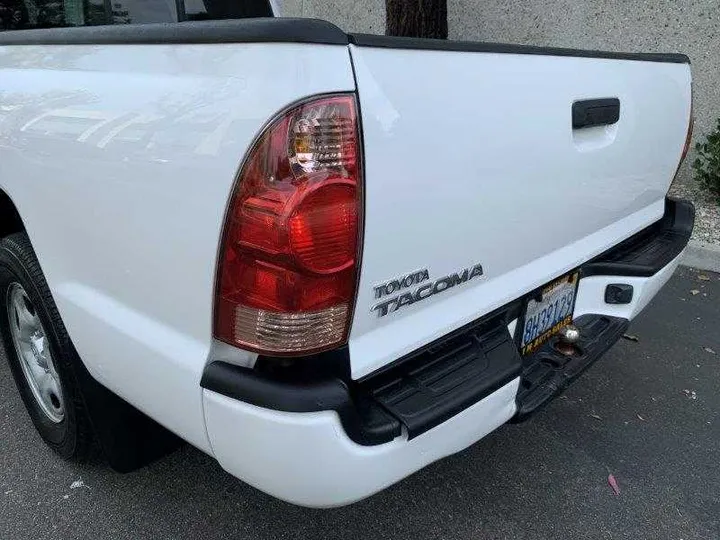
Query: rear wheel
{"type": "Point", "coordinates": [39, 351]}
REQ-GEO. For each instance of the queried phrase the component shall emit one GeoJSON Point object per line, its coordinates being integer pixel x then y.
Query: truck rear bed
{"type": "Point", "coordinates": [483, 196]}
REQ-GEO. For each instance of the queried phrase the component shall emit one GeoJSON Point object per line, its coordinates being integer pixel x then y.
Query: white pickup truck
{"type": "Point", "coordinates": [326, 260]}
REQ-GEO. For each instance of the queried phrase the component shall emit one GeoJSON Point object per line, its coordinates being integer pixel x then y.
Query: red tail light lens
{"type": "Point", "coordinates": [322, 226]}
{"type": "Point", "coordinates": [288, 262]}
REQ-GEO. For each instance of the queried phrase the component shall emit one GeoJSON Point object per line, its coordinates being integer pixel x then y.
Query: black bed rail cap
{"type": "Point", "coordinates": [251, 30]}
{"type": "Point", "coordinates": [391, 42]}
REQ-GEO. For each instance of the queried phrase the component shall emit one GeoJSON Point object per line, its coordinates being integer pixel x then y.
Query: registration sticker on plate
{"type": "Point", "coordinates": [546, 315]}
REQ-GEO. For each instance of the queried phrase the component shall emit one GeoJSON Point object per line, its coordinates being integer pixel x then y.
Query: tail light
{"type": "Point", "coordinates": [287, 270]}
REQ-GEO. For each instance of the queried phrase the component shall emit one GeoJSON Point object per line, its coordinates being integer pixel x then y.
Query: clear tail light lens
{"type": "Point", "coordinates": [288, 262]}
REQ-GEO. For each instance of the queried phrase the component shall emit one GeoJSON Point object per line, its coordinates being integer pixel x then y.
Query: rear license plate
{"type": "Point", "coordinates": [548, 312]}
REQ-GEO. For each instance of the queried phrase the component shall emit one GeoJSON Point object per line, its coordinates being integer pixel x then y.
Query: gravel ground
{"type": "Point", "coordinates": [646, 413]}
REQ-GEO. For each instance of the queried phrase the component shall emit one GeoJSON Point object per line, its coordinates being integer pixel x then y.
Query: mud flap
{"type": "Point", "coordinates": [128, 438]}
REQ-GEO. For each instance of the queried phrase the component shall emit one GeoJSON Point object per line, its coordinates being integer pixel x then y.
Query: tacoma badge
{"type": "Point", "coordinates": [420, 293]}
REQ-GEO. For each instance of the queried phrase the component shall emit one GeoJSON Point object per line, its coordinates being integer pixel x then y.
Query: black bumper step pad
{"type": "Point", "coordinates": [448, 377]}
{"type": "Point", "coordinates": [650, 250]}
{"type": "Point", "coordinates": [547, 372]}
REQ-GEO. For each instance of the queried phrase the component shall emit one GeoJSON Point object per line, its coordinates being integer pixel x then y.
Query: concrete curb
{"type": "Point", "coordinates": [703, 256]}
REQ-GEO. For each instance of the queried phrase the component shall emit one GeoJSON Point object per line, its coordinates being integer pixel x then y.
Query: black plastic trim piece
{"type": "Point", "coordinates": [256, 389]}
{"type": "Point", "coordinates": [365, 423]}
{"type": "Point", "coordinates": [649, 251]}
{"type": "Point", "coordinates": [619, 293]}
{"type": "Point", "coordinates": [128, 438]}
{"type": "Point", "coordinates": [334, 363]}
{"type": "Point", "coordinates": [508, 312]}
{"type": "Point", "coordinates": [595, 112]}
{"type": "Point", "coordinates": [255, 30]}
{"type": "Point", "coordinates": [547, 372]}
{"type": "Point", "coordinates": [287, 30]}
{"type": "Point", "coordinates": [440, 381]}
{"type": "Point", "coordinates": [392, 42]}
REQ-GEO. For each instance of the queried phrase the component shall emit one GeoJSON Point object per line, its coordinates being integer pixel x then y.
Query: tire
{"type": "Point", "coordinates": [41, 357]}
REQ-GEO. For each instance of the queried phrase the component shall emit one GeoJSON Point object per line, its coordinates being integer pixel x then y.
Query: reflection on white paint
{"type": "Point", "coordinates": [69, 113]}
{"type": "Point", "coordinates": [88, 133]}
{"type": "Point", "coordinates": [140, 119]}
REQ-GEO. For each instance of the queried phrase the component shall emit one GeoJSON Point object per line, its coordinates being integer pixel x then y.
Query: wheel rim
{"type": "Point", "coordinates": [31, 346]}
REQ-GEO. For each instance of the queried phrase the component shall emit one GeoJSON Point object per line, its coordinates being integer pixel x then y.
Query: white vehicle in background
{"type": "Point", "coordinates": [324, 259]}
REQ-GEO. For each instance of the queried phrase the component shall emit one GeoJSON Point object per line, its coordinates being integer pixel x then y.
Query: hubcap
{"type": "Point", "coordinates": [31, 346]}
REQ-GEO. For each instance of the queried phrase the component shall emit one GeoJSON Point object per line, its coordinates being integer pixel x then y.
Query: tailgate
{"type": "Point", "coordinates": [476, 178]}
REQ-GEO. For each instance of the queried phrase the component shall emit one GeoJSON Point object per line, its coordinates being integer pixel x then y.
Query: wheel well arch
{"type": "Point", "coordinates": [10, 220]}
{"type": "Point", "coordinates": [128, 438]}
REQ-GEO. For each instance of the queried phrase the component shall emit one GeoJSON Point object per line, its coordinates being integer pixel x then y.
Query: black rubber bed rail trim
{"type": "Point", "coordinates": [649, 251]}
{"type": "Point", "coordinates": [365, 423]}
{"type": "Point", "coordinates": [391, 42]}
{"type": "Point", "coordinates": [255, 30]}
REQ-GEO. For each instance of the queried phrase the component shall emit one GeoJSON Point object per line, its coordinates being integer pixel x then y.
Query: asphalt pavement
{"type": "Point", "coordinates": [647, 413]}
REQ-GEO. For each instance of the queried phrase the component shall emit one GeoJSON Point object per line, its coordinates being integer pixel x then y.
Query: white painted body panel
{"type": "Point", "coordinates": [121, 159]}
{"type": "Point", "coordinates": [471, 158]}
{"type": "Point", "coordinates": [307, 459]}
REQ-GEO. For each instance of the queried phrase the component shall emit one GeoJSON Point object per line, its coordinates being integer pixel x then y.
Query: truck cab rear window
{"type": "Point", "coordinates": [31, 14]}
{"type": "Point", "coordinates": [197, 10]}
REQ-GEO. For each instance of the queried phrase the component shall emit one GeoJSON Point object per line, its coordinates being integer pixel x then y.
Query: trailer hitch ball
{"type": "Point", "coordinates": [569, 335]}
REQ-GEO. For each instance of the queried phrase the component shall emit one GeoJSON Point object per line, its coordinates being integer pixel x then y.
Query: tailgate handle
{"type": "Point", "coordinates": [595, 112]}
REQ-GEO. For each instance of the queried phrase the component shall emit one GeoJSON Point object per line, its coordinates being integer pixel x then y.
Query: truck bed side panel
{"type": "Point", "coordinates": [121, 159]}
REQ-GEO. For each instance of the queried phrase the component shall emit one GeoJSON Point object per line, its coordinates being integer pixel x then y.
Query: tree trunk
{"type": "Point", "coordinates": [416, 18]}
